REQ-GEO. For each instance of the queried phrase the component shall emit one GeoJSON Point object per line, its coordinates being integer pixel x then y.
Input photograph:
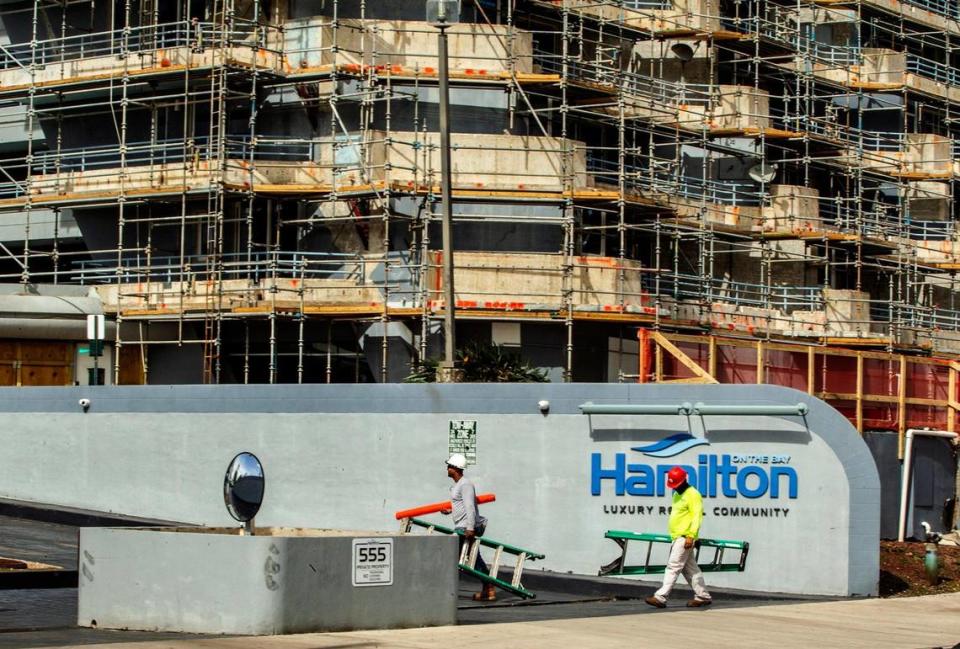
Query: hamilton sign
{"type": "Point", "coordinates": [732, 476]}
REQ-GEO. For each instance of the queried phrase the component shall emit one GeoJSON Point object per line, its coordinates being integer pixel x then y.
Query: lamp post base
{"type": "Point", "coordinates": [449, 374]}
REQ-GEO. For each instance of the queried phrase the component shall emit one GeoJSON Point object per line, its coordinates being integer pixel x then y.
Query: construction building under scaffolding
{"type": "Point", "coordinates": [653, 190]}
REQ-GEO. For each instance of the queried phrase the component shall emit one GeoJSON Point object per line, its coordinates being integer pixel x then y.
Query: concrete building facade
{"type": "Point", "coordinates": [250, 188]}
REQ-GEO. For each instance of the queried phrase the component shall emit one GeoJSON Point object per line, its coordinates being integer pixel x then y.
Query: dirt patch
{"type": "Point", "coordinates": [902, 572]}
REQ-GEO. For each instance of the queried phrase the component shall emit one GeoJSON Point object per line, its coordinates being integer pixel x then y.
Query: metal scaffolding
{"type": "Point", "coordinates": [260, 182]}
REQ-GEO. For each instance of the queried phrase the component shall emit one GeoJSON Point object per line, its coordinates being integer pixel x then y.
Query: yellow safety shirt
{"type": "Point", "coordinates": [686, 515]}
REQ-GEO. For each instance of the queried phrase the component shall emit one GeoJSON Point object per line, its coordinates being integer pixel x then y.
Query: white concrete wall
{"type": "Point", "coordinates": [350, 456]}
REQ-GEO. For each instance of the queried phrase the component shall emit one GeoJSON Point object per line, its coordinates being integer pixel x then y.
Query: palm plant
{"type": "Point", "coordinates": [484, 363]}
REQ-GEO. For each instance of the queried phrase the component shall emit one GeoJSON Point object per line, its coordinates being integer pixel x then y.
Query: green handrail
{"type": "Point", "coordinates": [798, 409]}
{"type": "Point", "coordinates": [636, 409]}
{"type": "Point", "coordinates": [699, 408]}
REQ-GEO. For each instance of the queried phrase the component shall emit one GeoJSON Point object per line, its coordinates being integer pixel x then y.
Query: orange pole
{"type": "Point", "coordinates": [423, 510]}
{"type": "Point", "coordinates": [643, 357]}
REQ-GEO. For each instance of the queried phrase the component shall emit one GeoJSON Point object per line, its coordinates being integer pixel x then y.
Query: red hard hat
{"type": "Point", "coordinates": [676, 477]}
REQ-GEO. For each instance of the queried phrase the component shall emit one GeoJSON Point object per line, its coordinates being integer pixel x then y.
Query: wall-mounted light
{"type": "Point", "coordinates": [682, 51]}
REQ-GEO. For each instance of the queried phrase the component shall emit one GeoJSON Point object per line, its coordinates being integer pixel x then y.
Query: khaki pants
{"type": "Point", "coordinates": [682, 561]}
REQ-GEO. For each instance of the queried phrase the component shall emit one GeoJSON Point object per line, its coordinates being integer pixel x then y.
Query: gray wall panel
{"type": "Point", "coordinates": [168, 580]}
{"type": "Point", "coordinates": [349, 456]}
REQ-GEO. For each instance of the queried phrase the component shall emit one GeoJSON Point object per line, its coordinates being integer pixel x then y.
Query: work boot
{"type": "Point", "coordinates": [488, 594]}
{"type": "Point", "coordinates": [696, 602]}
{"type": "Point", "coordinates": [653, 601]}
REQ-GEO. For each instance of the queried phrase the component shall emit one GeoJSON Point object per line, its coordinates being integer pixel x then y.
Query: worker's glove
{"type": "Point", "coordinates": [688, 542]}
{"type": "Point", "coordinates": [470, 534]}
{"type": "Point", "coordinates": [446, 512]}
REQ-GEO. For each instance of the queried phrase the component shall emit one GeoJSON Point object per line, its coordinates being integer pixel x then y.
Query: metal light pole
{"type": "Point", "coordinates": [441, 14]}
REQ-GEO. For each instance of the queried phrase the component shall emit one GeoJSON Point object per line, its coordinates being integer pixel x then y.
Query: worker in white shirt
{"type": "Point", "coordinates": [466, 518]}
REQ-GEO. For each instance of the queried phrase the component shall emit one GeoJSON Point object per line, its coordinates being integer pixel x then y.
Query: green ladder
{"type": "Point", "coordinates": [618, 566]}
{"type": "Point", "coordinates": [468, 558]}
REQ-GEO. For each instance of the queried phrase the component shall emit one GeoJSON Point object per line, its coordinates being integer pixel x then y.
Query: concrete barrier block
{"type": "Point", "coordinates": [212, 580]}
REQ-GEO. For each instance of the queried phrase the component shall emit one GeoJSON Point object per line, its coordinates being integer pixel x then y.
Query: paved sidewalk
{"type": "Point", "coordinates": [909, 623]}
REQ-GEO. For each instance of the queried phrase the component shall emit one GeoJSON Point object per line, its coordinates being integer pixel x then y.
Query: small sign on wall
{"type": "Point", "coordinates": [373, 562]}
{"type": "Point", "coordinates": [463, 439]}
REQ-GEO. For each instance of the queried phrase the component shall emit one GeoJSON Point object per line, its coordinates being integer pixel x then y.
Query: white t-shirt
{"type": "Point", "coordinates": [463, 498]}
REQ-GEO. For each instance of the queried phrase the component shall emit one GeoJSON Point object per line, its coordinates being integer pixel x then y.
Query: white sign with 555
{"type": "Point", "coordinates": [373, 562]}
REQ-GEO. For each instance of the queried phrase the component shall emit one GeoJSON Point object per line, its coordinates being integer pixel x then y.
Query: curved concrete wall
{"type": "Point", "coordinates": [803, 491]}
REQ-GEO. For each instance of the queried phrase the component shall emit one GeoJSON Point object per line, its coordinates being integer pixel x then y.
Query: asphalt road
{"type": "Point", "coordinates": [35, 617]}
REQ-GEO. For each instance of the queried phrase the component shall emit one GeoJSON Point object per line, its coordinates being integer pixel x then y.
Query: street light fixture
{"type": "Point", "coordinates": [684, 54]}
{"type": "Point", "coordinates": [441, 14]}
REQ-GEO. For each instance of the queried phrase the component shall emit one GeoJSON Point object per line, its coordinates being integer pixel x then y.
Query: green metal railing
{"type": "Point", "coordinates": [701, 409]}
{"type": "Point", "coordinates": [717, 564]}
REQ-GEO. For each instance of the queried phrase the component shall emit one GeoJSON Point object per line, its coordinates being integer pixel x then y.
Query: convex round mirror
{"type": "Point", "coordinates": [243, 487]}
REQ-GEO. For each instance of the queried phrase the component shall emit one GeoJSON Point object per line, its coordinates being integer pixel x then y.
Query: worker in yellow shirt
{"type": "Point", "coordinates": [684, 528]}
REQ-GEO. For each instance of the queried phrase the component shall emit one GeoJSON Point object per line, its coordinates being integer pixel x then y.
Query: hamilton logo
{"type": "Point", "coordinates": [670, 446]}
